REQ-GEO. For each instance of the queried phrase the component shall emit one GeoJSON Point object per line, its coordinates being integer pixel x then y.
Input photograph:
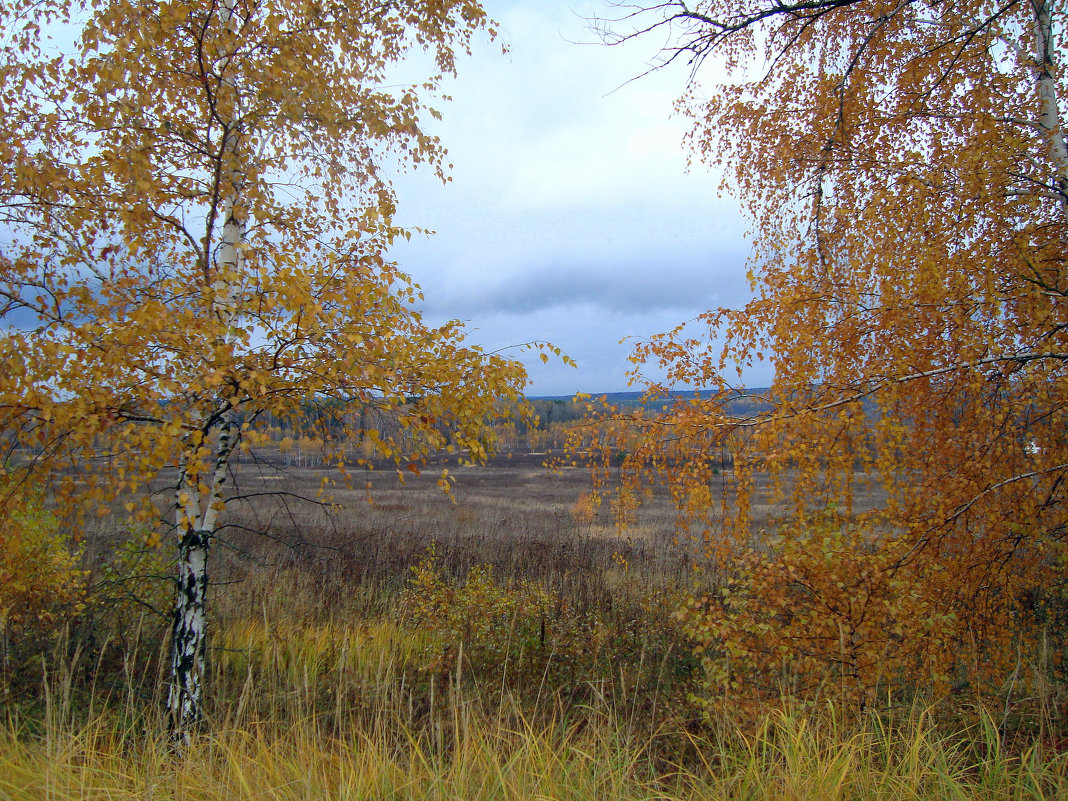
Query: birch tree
{"type": "Point", "coordinates": [904, 167]}
{"type": "Point", "coordinates": [195, 221]}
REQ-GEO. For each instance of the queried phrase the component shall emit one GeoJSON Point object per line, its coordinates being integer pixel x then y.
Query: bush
{"type": "Point", "coordinates": [826, 616]}
{"type": "Point", "coordinates": [520, 636]}
{"type": "Point", "coordinates": [834, 613]}
{"type": "Point", "coordinates": [131, 592]}
{"type": "Point", "coordinates": [42, 589]}
{"type": "Point", "coordinates": [497, 627]}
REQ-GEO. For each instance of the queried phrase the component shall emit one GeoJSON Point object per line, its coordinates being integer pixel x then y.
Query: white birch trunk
{"type": "Point", "coordinates": [1046, 88]}
{"type": "Point", "coordinates": [197, 516]}
{"type": "Point", "coordinates": [197, 509]}
{"type": "Point", "coordinates": [230, 261]}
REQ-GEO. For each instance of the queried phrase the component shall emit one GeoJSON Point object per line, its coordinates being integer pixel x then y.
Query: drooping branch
{"type": "Point", "coordinates": [694, 34]}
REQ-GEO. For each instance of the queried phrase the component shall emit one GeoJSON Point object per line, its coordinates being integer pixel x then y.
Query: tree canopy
{"type": "Point", "coordinates": [904, 166]}
{"type": "Point", "coordinates": [195, 216]}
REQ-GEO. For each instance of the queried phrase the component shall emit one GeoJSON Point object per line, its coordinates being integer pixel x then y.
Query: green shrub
{"type": "Point", "coordinates": [131, 585]}
{"type": "Point", "coordinates": [497, 626]}
{"type": "Point", "coordinates": [528, 639]}
{"type": "Point", "coordinates": [42, 589]}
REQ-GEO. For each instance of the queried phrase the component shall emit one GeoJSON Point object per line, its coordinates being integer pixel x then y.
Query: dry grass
{"type": "Point", "coordinates": [534, 656]}
{"type": "Point", "coordinates": [509, 757]}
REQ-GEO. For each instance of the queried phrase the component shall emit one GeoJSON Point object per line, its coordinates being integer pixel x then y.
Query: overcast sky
{"type": "Point", "coordinates": [571, 216]}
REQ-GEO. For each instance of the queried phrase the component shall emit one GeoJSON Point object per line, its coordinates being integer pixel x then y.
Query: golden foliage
{"type": "Point", "coordinates": [41, 585]}
{"type": "Point", "coordinates": [199, 228]}
{"type": "Point", "coordinates": [584, 510]}
{"type": "Point", "coordinates": [197, 225]}
{"type": "Point", "coordinates": [905, 169]}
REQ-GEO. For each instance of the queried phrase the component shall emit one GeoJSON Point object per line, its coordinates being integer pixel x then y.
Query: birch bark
{"type": "Point", "coordinates": [197, 507]}
{"type": "Point", "coordinates": [196, 520]}
{"type": "Point", "coordinates": [1046, 86]}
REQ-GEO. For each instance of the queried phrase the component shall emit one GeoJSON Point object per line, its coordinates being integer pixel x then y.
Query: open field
{"type": "Point", "coordinates": [512, 513]}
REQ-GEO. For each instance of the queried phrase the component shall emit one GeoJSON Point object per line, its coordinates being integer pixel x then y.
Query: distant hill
{"type": "Point", "coordinates": [744, 404]}
{"type": "Point", "coordinates": [747, 403]}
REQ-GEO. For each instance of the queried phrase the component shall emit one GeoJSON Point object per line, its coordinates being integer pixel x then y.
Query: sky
{"type": "Point", "coordinates": [571, 216]}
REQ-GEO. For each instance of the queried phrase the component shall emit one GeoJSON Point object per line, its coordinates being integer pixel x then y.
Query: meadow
{"type": "Point", "coordinates": [508, 642]}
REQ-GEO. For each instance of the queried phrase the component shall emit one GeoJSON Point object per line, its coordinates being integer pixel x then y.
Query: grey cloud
{"type": "Point", "coordinates": [643, 284]}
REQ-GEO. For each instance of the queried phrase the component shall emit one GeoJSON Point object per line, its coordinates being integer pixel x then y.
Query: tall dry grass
{"type": "Point", "coordinates": [350, 710]}
{"type": "Point", "coordinates": [567, 756]}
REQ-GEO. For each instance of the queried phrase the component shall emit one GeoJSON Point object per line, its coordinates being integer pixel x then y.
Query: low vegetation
{"type": "Point", "coordinates": [510, 644]}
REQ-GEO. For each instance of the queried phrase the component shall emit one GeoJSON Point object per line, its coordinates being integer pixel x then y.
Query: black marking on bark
{"type": "Point", "coordinates": [188, 641]}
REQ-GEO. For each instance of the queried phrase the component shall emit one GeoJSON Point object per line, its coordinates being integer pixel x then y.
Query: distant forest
{"type": "Point", "coordinates": [746, 403]}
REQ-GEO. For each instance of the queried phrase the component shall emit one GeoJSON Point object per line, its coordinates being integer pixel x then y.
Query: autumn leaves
{"type": "Point", "coordinates": [198, 232]}
{"type": "Point", "coordinates": [902, 166]}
